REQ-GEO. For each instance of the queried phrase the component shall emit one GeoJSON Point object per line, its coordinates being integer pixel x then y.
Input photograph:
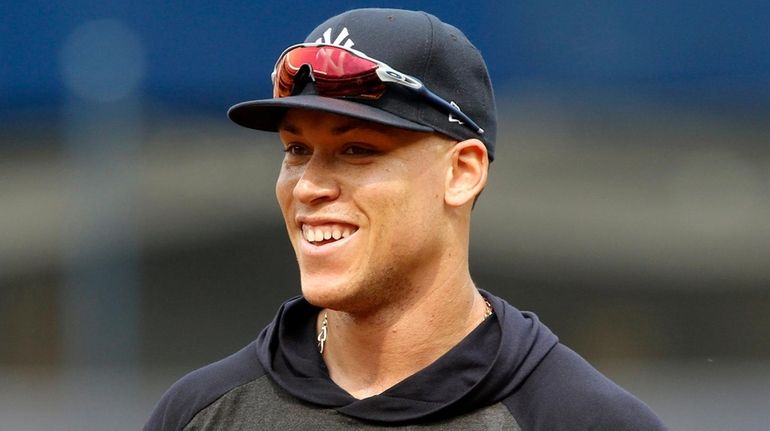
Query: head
{"type": "Point", "coordinates": [378, 181]}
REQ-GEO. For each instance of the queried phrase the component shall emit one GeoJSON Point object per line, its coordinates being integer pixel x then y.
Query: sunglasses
{"type": "Point", "coordinates": [347, 73]}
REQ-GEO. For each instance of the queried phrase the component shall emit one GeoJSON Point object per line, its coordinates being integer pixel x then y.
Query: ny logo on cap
{"type": "Point", "coordinates": [339, 41]}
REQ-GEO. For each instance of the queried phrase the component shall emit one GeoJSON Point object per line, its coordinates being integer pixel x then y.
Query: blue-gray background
{"type": "Point", "coordinates": [204, 55]}
{"type": "Point", "coordinates": [628, 205]}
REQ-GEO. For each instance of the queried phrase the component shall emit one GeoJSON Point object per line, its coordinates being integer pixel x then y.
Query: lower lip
{"type": "Point", "coordinates": [311, 249]}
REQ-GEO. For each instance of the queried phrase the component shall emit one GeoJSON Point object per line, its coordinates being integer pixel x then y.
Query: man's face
{"type": "Point", "coordinates": [363, 206]}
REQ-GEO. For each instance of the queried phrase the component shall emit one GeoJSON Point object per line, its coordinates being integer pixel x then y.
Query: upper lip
{"type": "Point", "coordinates": [321, 220]}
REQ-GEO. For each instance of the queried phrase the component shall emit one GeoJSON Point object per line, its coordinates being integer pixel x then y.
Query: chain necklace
{"type": "Point", "coordinates": [323, 334]}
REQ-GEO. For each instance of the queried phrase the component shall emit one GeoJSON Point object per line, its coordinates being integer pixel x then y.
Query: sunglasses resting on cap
{"type": "Point", "coordinates": [347, 73]}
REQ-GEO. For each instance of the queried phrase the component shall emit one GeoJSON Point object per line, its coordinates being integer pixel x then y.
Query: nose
{"type": "Point", "coordinates": [317, 183]}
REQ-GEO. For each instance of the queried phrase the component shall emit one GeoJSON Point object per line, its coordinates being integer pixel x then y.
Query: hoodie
{"type": "Point", "coordinates": [510, 373]}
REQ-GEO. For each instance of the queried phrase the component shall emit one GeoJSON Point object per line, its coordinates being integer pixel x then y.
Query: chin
{"type": "Point", "coordinates": [325, 292]}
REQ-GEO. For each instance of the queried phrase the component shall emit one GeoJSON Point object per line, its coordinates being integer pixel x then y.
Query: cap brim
{"type": "Point", "coordinates": [267, 114]}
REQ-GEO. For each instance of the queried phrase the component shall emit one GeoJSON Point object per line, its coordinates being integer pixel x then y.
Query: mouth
{"type": "Point", "coordinates": [326, 233]}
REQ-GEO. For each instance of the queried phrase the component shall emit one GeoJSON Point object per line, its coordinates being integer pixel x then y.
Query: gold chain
{"type": "Point", "coordinates": [489, 310]}
{"type": "Point", "coordinates": [324, 333]}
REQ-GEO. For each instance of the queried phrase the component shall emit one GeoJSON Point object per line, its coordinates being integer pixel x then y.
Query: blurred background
{"type": "Point", "coordinates": [629, 203]}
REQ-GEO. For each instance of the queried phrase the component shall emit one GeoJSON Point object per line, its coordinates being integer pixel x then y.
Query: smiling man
{"type": "Point", "coordinates": [387, 118]}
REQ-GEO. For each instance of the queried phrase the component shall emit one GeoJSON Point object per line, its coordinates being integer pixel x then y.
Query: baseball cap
{"type": "Point", "coordinates": [415, 43]}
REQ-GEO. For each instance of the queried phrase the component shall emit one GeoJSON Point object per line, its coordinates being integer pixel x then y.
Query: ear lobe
{"type": "Point", "coordinates": [468, 173]}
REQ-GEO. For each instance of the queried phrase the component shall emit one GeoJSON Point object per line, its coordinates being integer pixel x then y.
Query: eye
{"type": "Point", "coordinates": [295, 149]}
{"type": "Point", "coordinates": [359, 150]}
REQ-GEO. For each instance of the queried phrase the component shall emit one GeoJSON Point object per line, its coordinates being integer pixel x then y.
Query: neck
{"type": "Point", "coordinates": [366, 353]}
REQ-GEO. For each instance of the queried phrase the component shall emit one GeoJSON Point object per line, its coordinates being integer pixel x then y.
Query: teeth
{"type": "Point", "coordinates": [326, 232]}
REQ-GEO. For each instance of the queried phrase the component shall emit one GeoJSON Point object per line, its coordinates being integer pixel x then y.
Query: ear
{"type": "Point", "coordinates": [467, 175]}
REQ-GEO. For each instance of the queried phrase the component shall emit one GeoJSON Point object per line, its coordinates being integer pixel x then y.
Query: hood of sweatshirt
{"type": "Point", "coordinates": [485, 367]}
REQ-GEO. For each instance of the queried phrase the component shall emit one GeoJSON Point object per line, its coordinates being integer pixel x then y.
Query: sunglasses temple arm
{"type": "Point", "coordinates": [454, 110]}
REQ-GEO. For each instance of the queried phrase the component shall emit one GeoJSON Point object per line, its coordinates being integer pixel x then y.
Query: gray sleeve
{"type": "Point", "coordinates": [193, 392]}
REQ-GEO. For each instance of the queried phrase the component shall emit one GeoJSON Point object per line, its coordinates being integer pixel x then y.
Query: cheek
{"type": "Point", "coordinates": [284, 188]}
{"type": "Point", "coordinates": [403, 207]}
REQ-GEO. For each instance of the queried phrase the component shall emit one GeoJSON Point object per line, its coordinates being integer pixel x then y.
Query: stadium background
{"type": "Point", "coordinates": [139, 236]}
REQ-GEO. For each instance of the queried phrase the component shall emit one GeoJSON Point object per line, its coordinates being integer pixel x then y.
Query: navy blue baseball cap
{"type": "Point", "coordinates": [415, 43]}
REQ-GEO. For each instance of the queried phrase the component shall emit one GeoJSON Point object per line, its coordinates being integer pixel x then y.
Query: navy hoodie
{"type": "Point", "coordinates": [510, 373]}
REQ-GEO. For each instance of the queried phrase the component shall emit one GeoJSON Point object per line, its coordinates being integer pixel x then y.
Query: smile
{"type": "Point", "coordinates": [326, 233]}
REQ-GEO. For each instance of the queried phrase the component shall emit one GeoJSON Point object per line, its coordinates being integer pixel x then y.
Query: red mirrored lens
{"type": "Point", "coordinates": [328, 61]}
{"type": "Point", "coordinates": [336, 72]}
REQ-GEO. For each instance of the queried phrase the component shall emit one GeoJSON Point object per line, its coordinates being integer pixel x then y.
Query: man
{"type": "Point", "coordinates": [388, 120]}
